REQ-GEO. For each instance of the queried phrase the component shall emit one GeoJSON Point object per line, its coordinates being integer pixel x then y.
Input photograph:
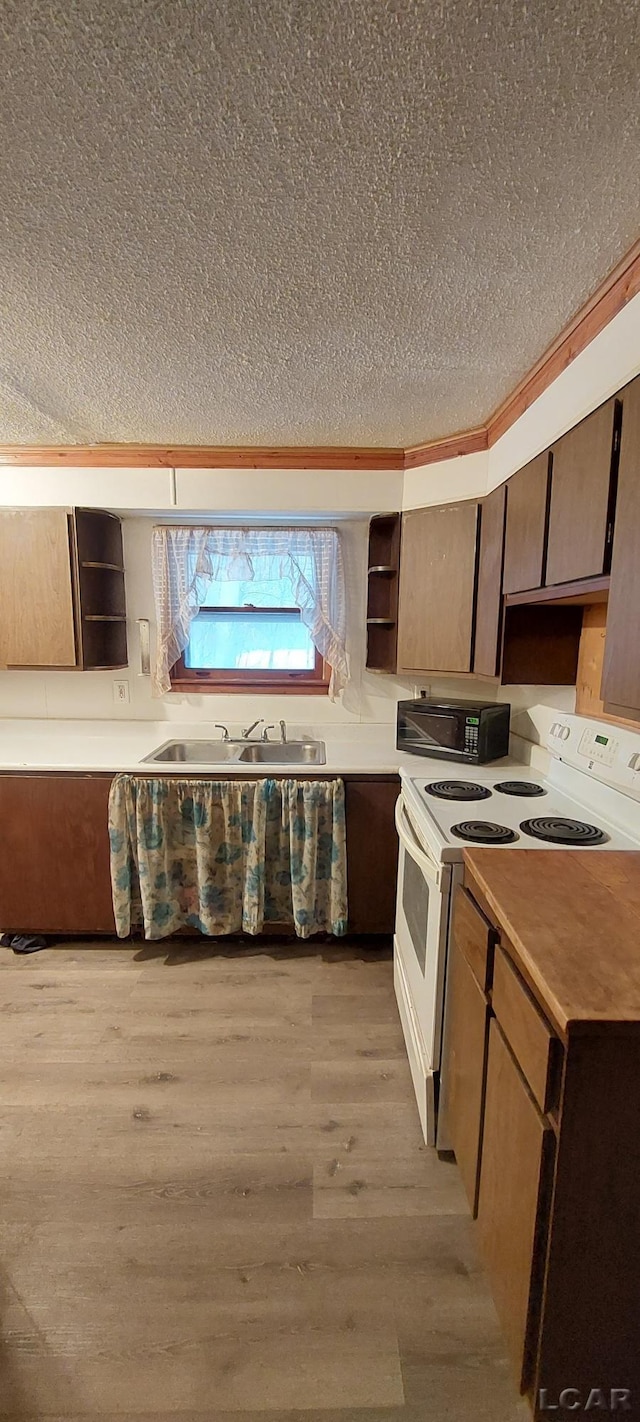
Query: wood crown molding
{"type": "Point", "coordinates": [618, 288]}
{"type": "Point", "coordinates": [194, 456]}
{"type": "Point", "coordinates": [467, 442]}
{"type": "Point", "coordinates": [610, 297]}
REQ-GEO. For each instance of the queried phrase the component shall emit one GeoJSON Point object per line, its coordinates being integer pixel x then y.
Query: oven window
{"type": "Point", "coordinates": [415, 906]}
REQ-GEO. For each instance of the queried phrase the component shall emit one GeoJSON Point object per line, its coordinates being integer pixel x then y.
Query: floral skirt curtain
{"type": "Point", "coordinates": [227, 856]}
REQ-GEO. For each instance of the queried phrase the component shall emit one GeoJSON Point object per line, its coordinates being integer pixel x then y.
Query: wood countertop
{"type": "Point", "coordinates": [572, 921]}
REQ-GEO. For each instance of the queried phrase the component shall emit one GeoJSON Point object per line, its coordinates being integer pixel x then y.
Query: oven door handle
{"type": "Point", "coordinates": [407, 837]}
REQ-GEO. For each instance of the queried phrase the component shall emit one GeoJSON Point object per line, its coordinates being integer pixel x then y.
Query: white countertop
{"type": "Point", "coordinates": [122, 745]}
{"type": "Point", "coordinates": [95, 746]}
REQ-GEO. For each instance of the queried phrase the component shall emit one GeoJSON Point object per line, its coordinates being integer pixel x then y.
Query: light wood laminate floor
{"type": "Point", "coordinates": [216, 1202]}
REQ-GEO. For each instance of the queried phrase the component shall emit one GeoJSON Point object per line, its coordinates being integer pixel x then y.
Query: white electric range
{"type": "Point", "coordinates": [587, 800]}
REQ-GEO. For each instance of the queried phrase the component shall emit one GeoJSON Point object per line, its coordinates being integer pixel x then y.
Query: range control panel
{"type": "Point", "coordinates": [608, 753]}
{"type": "Point", "coordinates": [597, 745]}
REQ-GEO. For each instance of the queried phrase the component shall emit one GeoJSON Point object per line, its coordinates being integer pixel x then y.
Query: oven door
{"type": "Point", "coordinates": [420, 950]}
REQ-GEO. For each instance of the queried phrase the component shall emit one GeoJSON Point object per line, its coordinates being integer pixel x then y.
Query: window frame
{"type": "Point", "coordinates": [307, 682]}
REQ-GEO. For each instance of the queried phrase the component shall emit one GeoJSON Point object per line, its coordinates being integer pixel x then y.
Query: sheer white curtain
{"type": "Point", "coordinates": [185, 560]}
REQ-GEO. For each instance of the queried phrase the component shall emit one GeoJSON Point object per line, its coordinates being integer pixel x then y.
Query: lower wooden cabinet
{"type": "Point", "coordinates": [467, 1029]}
{"type": "Point", "coordinates": [372, 853]}
{"type": "Point", "coordinates": [515, 1179]}
{"type": "Point", "coordinates": [544, 1123]}
{"type": "Point", "coordinates": [54, 868]}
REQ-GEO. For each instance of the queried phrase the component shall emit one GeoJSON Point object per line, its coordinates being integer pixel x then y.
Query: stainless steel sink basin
{"type": "Point", "coordinates": [194, 752]}
{"type": "Point", "coordinates": [238, 753]}
{"type": "Point", "coordinates": [287, 753]}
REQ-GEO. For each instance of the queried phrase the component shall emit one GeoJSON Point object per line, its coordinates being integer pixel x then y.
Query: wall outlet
{"type": "Point", "coordinates": [121, 691]}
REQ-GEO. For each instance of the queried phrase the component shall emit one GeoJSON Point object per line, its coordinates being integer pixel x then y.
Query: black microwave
{"type": "Point", "coordinates": [473, 731]}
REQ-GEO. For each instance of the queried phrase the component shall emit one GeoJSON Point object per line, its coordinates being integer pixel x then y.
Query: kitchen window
{"type": "Point", "coordinates": [249, 610]}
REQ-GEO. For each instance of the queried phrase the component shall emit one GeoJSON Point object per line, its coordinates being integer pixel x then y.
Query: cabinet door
{"type": "Point", "coordinates": [372, 854]}
{"type": "Point", "coordinates": [526, 526]}
{"type": "Point", "coordinates": [464, 1068]}
{"type": "Point", "coordinates": [621, 676]}
{"type": "Point", "coordinates": [486, 652]}
{"type": "Point", "coordinates": [513, 1202]}
{"type": "Point", "coordinates": [54, 867]}
{"type": "Point", "coordinates": [579, 511]}
{"type": "Point", "coordinates": [37, 622]}
{"type": "Point", "coordinates": [437, 586]}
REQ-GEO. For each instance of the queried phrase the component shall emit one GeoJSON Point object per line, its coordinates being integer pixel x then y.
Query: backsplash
{"type": "Point", "coordinates": [369, 699]}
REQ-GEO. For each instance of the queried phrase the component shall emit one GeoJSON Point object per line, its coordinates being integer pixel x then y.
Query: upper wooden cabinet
{"type": "Point", "coordinates": [437, 588]}
{"type": "Point", "coordinates": [36, 589]}
{"type": "Point", "coordinates": [62, 589]}
{"type": "Point", "coordinates": [488, 611]}
{"type": "Point", "coordinates": [527, 497]}
{"type": "Point", "coordinates": [581, 513]}
{"type": "Point", "coordinates": [382, 592]}
{"type": "Point", "coordinates": [621, 675]}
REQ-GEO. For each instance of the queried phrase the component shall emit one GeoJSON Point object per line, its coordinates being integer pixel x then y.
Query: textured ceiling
{"type": "Point", "coordinates": [301, 221]}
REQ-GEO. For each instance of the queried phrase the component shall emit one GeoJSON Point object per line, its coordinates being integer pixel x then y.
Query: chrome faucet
{"type": "Point", "coordinates": [252, 727]}
{"type": "Point", "coordinates": [283, 731]}
{"type": "Point", "coordinates": [265, 733]}
{"type": "Point", "coordinates": [218, 727]}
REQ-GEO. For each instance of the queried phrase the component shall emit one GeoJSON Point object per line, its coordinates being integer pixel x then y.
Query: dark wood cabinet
{"type": "Point", "coordinates": [525, 532]}
{"type": "Point", "coordinates": [372, 852]}
{"type": "Point", "coordinates": [383, 573]}
{"type": "Point", "coordinates": [551, 1112]}
{"type": "Point", "coordinates": [465, 1067]}
{"type": "Point", "coordinates": [581, 512]}
{"type": "Point", "coordinates": [437, 588]}
{"type": "Point", "coordinates": [517, 1157]}
{"type": "Point", "coordinates": [621, 673]}
{"type": "Point", "coordinates": [54, 867]}
{"type": "Point", "coordinates": [488, 608]}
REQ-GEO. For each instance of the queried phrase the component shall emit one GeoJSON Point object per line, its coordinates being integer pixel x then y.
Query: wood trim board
{"type": "Point", "coordinates": [191, 456]}
{"type": "Point", "coordinates": [609, 298]}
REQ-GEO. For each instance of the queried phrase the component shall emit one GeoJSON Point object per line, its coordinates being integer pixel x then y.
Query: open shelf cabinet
{"type": "Point", "coordinates": [382, 592]}
{"type": "Point", "coordinates": [99, 578]}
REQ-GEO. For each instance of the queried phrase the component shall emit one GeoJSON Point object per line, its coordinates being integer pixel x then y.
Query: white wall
{"type": "Point", "coordinates": [464, 477]}
{"type": "Point", "coordinates": [219, 491]}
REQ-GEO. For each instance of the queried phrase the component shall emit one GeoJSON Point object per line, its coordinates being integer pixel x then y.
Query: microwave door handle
{"type": "Point", "coordinates": [429, 868]}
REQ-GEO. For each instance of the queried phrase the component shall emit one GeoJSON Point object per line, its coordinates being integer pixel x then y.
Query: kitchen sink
{"type": "Point", "coordinates": [238, 753]}
{"type": "Point", "coordinates": [194, 752]}
{"type": "Point", "coordinates": [284, 753]}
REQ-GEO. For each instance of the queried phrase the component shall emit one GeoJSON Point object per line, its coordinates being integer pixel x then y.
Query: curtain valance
{"type": "Point", "coordinates": [186, 559]}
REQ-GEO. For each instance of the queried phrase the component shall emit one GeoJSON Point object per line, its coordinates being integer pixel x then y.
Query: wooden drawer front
{"type": "Point", "coordinates": [474, 936]}
{"type": "Point", "coordinates": [532, 1042]}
